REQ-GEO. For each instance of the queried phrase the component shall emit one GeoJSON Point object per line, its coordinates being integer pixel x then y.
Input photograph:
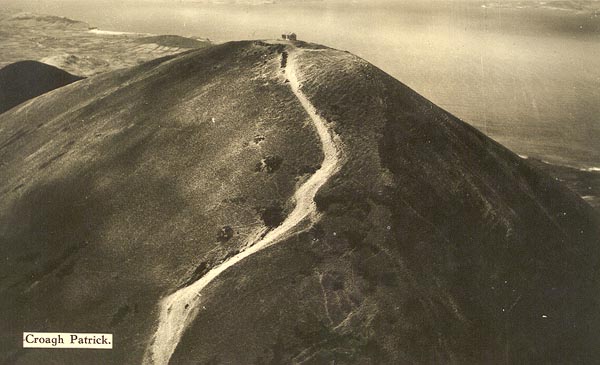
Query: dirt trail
{"type": "Point", "coordinates": [179, 309]}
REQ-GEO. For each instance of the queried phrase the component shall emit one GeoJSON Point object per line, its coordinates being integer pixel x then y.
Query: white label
{"type": "Point", "coordinates": [65, 340]}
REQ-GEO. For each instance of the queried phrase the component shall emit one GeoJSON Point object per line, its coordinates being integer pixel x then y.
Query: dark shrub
{"type": "Point", "coordinates": [272, 216]}
{"type": "Point", "coordinates": [225, 234]}
{"type": "Point", "coordinates": [269, 164]}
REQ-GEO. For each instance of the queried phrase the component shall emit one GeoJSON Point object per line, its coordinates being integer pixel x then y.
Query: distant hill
{"type": "Point", "coordinates": [48, 19]}
{"type": "Point", "coordinates": [72, 46]}
{"type": "Point", "coordinates": [174, 41]}
{"type": "Point", "coordinates": [432, 243]}
{"type": "Point", "coordinates": [84, 65]}
{"type": "Point", "coordinates": [24, 80]}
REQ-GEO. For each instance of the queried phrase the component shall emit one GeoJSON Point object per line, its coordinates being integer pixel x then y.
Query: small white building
{"type": "Point", "coordinates": [289, 36]}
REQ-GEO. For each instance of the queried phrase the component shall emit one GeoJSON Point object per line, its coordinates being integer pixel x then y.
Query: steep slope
{"type": "Point", "coordinates": [436, 245]}
{"type": "Point", "coordinates": [116, 190]}
{"type": "Point", "coordinates": [24, 80]}
{"type": "Point", "coordinates": [179, 310]}
{"type": "Point", "coordinates": [432, 243]}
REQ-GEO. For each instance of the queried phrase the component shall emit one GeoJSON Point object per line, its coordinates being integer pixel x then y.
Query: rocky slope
{"type": "Point", "coordinates": [24, 80]}
{"type": "Point", "coordinates": [433, 243]}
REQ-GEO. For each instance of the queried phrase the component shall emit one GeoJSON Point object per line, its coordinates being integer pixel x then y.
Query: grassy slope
{"type": "Point", "coordinates": [437, 245]}
{"type": "Point", "coordinates": [113, 190]}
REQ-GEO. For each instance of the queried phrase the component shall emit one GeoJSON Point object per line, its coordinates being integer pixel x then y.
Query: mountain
{"type": "Point", "coordinates": [58, 21]}
{"type": "Point", "coordinates": [24, 80]}
{"type": "Point", "coordinates": [283, 203]}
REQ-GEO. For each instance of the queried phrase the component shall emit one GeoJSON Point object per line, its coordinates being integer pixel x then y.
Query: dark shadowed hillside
{"type": "Point", "coordinates": [434, 244]}
{"type": "Point", "coordinates": [24, 80]}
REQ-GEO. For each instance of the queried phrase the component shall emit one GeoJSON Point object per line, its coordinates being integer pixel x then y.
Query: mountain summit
{"type": "Point", "coordinates": [283, 203]}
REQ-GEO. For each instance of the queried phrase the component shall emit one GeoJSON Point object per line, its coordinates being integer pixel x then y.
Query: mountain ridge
{"type": "Point", "coordinates": [435, 243]}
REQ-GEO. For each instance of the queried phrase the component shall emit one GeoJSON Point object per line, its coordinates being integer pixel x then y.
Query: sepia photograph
{"type": "Point", "coordinates": [299, 182]}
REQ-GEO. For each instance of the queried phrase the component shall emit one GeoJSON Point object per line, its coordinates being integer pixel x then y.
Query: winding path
{"type": "Point", "coordinates": [179, 309]}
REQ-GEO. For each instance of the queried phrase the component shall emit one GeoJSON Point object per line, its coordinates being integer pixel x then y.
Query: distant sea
{"type": "Point", "coordinates": [529, 77]}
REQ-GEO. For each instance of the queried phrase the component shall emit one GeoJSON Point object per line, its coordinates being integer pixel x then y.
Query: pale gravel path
{"type": "Point", "coordinates": [178, 310]}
